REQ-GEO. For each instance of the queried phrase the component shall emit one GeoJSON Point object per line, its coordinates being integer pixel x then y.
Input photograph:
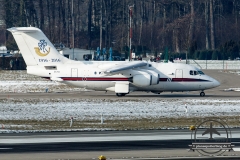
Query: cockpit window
{"type": "Point", "coordinates": [191, 72]}
{"type": "Point", "coordinates": [200, 72]}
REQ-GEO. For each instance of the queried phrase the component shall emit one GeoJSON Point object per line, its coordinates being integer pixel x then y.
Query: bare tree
{"type": "Point", "coordinates": [41, 14]}
{"type": "Point", "coordinates": [207, 23]}
{"type": "Point", "coordinates": [90, 23]}
{"type": "Point", "coordinates": [156, 23]}
{"type": "Point", "coordinates": [192, 23]}
{"type": "Point", "coordinates": [212, 26]}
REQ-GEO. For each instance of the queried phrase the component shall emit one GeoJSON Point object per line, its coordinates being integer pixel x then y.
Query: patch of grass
{"type": "Point", "coordinates": [131, 124]}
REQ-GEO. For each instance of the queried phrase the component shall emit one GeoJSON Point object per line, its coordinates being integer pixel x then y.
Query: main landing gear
{"type": "Point", "coordinates": [202, 94]}
{"type": "Point", "coordinates": [120, 94]}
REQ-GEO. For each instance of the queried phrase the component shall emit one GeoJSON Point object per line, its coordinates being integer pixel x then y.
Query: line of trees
{"type": "Point", "coordinates": [198, 27]}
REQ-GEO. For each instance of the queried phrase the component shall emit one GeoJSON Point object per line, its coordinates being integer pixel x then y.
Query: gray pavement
{"type": "Point", "coordinates": [112, 144]}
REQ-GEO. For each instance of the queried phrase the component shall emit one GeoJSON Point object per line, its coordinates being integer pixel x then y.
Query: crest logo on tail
{"type": "Point", "coordinates": [41, 49]}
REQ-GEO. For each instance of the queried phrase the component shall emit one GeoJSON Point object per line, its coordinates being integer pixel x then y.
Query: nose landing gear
{"type": "Point", "coordinates": [202, 94]}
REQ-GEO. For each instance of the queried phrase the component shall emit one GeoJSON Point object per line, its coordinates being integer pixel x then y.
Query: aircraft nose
{"type": "Point", "coordinates": [216, 83]}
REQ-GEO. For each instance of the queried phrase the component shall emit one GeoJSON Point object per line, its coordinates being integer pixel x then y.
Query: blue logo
{"type": "Point", "coordinates": [42, 44]}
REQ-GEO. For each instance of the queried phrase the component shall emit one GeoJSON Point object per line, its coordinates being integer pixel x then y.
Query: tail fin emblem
{"type": "Point", "coordinates": [41, 49]}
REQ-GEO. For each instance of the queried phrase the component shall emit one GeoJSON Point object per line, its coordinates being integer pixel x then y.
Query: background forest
{"type": "Point", "coordinates": [204, 29]}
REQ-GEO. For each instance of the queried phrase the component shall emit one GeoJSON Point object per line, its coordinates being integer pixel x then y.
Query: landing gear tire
{"type": "Point", "coordinates": [202, 94]}
{"type": "Point", "coordinates": [120, 94]}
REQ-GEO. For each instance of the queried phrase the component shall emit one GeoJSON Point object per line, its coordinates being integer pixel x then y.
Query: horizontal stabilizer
{"type": "Point", "coordinates": [23, 29]}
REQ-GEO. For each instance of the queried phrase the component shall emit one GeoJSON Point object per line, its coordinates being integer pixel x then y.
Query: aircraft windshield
{"type": "Point", "coordinates": [191, 72]}
{"type": "Point", "coordinates": [200, 72]}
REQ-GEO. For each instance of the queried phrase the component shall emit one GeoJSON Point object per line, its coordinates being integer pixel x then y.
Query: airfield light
{"type": "Point", "coordinates": [102, 157]}
{"type": "Point", "coordinates": [192, 128]}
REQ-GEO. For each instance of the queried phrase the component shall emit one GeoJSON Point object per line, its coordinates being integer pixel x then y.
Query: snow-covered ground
{"type": "Point", "coordinates": [58, 109]}
{"type": "Point", "coordinates": [38, 115]}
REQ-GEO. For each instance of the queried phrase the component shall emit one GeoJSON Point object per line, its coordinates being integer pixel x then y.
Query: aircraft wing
{"type": "Point", "coordinates": [125, 66]}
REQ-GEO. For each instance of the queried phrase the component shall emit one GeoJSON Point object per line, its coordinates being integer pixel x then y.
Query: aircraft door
{"type": "Point", "coordinates": [74, 72]}
{"type": "Point", "coordinates": [179, 73]}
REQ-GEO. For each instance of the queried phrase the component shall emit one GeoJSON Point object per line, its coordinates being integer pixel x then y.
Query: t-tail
{"type": "Point", "coordinates": [36, 48]}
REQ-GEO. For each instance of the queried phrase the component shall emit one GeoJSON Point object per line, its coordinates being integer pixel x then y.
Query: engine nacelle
{"type": "Point", "coordinates": [142, 79]}
{"type": "Point", "coordinates": [155, 76]}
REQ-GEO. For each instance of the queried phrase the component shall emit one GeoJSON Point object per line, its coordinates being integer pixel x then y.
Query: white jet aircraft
{"type": "Point", "coordinates": [122, 77]}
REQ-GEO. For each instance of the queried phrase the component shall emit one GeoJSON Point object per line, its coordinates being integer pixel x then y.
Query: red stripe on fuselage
{"type": "Point", "coordinates": [94, 79]}
{"type": "Point", "coordinates": [181, 80]}
{"type": "Point", "coordinates": [127, 79]}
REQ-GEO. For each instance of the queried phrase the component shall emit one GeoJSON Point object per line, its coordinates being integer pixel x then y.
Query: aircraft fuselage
{"type": "Point", "coordinates": [173, 77]}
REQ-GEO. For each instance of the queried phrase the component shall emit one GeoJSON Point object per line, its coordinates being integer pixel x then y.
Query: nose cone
{"type": "Point", "coordinates": [215, 83]}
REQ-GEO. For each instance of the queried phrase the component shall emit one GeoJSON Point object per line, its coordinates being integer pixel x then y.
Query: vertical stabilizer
{"type": "Point", "coordinates": [35, 47]}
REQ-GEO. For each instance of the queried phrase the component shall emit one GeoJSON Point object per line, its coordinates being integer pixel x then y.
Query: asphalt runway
{"type": "Point", "coordinates": [68, 145]}
{"type": "Point", "coordinates": [94, 141]}
{"type": "Point", "coordinates": [112, 144]}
